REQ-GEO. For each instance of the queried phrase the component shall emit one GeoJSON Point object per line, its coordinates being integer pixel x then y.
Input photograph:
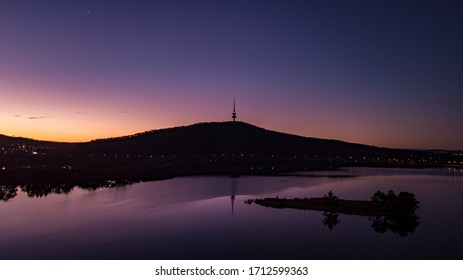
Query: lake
{"type": "Point", "coordinates": [207, 218]}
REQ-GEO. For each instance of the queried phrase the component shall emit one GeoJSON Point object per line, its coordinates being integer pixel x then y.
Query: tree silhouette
{"type": "Point", "coordinates": [405, 205]}
{"type": "Point", "coordinates": [331, 198]}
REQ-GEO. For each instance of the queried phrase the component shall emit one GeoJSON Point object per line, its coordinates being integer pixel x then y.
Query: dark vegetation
{"type": "Point", "coordinates": [386, 211]}
{"type": "Point", "coordinates": [228, 148]}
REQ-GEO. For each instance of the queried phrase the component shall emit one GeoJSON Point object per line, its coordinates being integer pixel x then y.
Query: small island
{"type": "Point", "coordinates": [381, 204]}
{"type": "Point", "coordinates": [386, 211]}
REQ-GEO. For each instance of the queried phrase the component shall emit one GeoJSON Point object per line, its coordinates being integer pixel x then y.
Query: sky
{"type": "Point", "coordinates": [384, 73]}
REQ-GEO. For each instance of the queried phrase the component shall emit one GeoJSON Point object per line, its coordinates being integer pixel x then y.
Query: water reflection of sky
{"type": "Point", "coordinates": [206, 217]}
{"type": "Point", "coordinates": [367, 171]}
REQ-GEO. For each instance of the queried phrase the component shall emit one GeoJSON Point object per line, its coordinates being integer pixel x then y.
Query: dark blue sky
{"type": "Point", "coordinates": [384, 73]}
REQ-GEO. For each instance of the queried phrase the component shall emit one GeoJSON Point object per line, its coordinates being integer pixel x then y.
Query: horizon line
{"type": "Point", "coordinates": [228, 121]}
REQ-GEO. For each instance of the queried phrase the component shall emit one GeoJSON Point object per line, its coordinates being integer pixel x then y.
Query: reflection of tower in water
{"type": "Point", "coordinates": [232, 195]}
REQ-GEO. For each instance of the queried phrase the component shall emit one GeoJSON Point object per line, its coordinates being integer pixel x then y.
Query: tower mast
{"type": "Point", "coordinates": [234, 111]}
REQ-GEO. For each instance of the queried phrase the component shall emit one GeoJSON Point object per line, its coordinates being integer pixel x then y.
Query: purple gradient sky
{"type": "Point", "coordinates": [386, 73]}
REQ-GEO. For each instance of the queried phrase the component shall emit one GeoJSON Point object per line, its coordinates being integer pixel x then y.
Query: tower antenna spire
{"type": "Point", "coordinates": [234, 111]}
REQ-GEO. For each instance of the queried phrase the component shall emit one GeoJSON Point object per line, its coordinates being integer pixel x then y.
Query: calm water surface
{"type": "Point", "coordinates": [206, 218]}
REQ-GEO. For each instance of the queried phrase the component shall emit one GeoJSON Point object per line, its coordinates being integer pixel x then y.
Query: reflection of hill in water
{"type": "Point", "coordinates": [42, 190]}
{"type": "Point", "coordinates": [183, 190]}
{"type": "Point", "coordinates": [172, 191]}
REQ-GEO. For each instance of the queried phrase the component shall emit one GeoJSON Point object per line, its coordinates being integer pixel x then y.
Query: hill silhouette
{"type": "Point", "coordinates": [12, 140]}
{"type": "Point", "coordinates": [225, 138]}
{"type": "Point", "coordinates": [220, 148]}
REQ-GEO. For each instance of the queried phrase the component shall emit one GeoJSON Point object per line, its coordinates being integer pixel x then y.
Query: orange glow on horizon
{"type": "Point", "coordinates": [44, 114]}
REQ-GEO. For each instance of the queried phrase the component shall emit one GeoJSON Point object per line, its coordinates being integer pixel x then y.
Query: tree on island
{"type": "Point", "coordinates": [405, 202]}
{"type": "Point", "coordinates": [331, 198]}
{"type": "Point", "coordinates": [405, 205]}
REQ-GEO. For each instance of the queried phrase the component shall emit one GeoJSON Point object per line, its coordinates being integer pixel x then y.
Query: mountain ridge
{"type": "Point", "coordinates": [8, 140]}
{"type": "Point", "coordinates": [14, 139]}
{"type": "Point", "coordinates": [216, 148]}
{"type": "Point", "coordinates": [218, 137]}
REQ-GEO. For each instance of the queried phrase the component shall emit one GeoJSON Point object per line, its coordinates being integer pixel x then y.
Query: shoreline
{"type": "Point", "coordinates": [341, 206]}
{"type": "Point", "coordinates": [96, 175]}
{"type": "Point", "coordinates": [381, 204]}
